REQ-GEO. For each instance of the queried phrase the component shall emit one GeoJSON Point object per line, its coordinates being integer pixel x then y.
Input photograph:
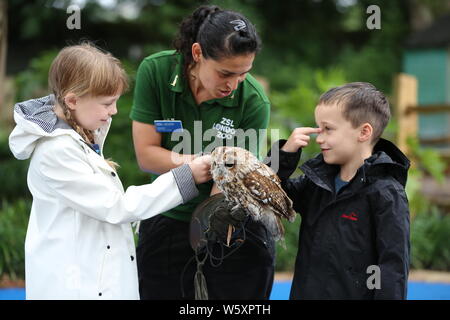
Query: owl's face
{"type": "Point", "coordinates": [231, 162]}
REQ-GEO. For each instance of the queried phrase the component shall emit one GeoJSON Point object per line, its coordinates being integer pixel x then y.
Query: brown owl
{"type": "Point", "coordinates": [253, 186]}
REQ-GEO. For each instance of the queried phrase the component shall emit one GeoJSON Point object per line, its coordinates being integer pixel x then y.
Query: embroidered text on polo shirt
{"type": "Point", "coordinates": [225, 129]}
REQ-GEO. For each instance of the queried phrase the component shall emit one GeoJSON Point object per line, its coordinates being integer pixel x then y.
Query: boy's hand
{"type": "Point", "coordinates": [299, 138]}
{"type": "Point", "coordinates": [200, 168]}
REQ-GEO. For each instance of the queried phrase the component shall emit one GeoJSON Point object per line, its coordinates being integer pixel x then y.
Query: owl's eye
{"type": "Point", "coordinates": [229, 165]}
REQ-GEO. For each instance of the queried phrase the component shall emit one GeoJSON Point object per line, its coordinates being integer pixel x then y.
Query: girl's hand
{"type": "Point", "coordinates": [200, 167]}
{"type": "Point", "coordinates": [299, 138]}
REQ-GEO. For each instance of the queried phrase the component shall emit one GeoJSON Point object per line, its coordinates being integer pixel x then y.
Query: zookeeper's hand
{"type": "Point", "coordinates": [299, 138]}
{"type": "Point", "coordinates": [200, 167]}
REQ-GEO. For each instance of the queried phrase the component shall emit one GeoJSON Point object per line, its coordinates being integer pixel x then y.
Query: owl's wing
{"type": "Point", "coordinates": [264, 186]}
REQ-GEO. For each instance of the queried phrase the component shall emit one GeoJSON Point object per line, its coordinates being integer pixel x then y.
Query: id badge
{"type": "Point", "coordinates": [168, 125]}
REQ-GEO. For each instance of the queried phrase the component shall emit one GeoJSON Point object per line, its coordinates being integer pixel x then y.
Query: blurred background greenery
{"type": "Point", "coordinates": [308, 47]}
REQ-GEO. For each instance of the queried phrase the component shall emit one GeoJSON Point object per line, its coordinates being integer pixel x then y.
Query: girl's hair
{"type": "Point", "coordinates": [220, 33]}
{"type": "Point", "coordinates": [85, 70]}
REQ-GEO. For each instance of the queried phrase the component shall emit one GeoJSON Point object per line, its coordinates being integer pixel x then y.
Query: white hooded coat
{"type": "Point", "coordinates": [79, 242]}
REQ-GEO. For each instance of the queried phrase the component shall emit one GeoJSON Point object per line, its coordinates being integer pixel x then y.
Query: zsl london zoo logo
{"type": "Point", "coordinates": [225, 129]}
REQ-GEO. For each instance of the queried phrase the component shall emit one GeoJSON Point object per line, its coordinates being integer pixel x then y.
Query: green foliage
{"type": "Point", "coordinates": [428, 160]}
{"type": "Point", "coordinates": [379, 58]}
{"type": "Point", "coordinates": [424, 161]}
{"type": "Point", "coordinates": [417, 202]}
{"type": "Point", "coordinates": [358, 66]}
{"type": "Point", "coordinates": [33, 82]}
{"type": "Point", "coordinates": [430, 229]}
{"type": "Point", "coordinates": [430, 232]}
{"type": "Point", "coordinates": [13, 226]}
{"type": "Point", "coordinates": [299, 103]}
{"type": "Point", "coordinates": [13, 173]}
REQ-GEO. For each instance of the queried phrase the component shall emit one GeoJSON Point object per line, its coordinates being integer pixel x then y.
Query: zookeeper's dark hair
{"type": "Point", "coordinates": [218, 34]}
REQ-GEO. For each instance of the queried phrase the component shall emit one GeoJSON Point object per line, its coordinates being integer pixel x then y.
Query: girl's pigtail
{"type": "Point", "coordinates": [85, 134]}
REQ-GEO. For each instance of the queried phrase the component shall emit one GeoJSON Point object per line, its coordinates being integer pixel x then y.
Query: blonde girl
{"type": "Point", "coordinates": [79, 242]}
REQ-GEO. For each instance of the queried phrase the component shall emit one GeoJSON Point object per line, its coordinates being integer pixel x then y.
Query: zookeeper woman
{"type": "Point", "coordinates": [205, 81]}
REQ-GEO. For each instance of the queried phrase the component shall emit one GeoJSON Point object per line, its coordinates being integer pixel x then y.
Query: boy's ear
{"type": "Point", "coordinates": [365, 132]}
{"type": "Point", "coordinates": [71, 100]}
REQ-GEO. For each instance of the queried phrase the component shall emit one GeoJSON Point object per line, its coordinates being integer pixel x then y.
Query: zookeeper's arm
{"type": "Point", "coordinates": [149, 153]}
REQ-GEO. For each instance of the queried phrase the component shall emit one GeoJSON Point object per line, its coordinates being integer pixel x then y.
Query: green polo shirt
{"type": "Point", "coordinates": [162, 93]}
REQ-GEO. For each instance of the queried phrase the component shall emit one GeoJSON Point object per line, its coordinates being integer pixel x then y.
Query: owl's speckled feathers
{"type": "Point", "coordinates": [251, 185]}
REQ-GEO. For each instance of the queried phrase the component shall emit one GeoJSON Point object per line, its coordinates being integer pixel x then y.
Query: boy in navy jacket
{"type": "Point", "coordinates": [354, 234]}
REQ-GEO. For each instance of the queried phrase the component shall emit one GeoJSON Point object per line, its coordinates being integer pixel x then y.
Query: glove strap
{"type": "Point", "coordinates": [200, 288]}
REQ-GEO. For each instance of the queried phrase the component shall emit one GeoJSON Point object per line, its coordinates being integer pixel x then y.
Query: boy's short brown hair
{"type": "Point", "coordinates": [361, 102]}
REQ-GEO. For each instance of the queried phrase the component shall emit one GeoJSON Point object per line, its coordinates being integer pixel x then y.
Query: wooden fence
{"type": "Point", "coordinates": [407, 113]}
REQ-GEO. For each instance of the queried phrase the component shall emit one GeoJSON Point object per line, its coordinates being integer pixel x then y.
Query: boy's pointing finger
{"type": "Point", "coordinates": [309, 131]}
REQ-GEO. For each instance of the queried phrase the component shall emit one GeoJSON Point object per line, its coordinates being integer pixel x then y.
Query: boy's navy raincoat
{"type": "Point", "coordinates": [342, 235]}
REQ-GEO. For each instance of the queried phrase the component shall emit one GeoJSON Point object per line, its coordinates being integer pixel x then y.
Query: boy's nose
{"type": "Point", "coordinates": [319, 138]}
